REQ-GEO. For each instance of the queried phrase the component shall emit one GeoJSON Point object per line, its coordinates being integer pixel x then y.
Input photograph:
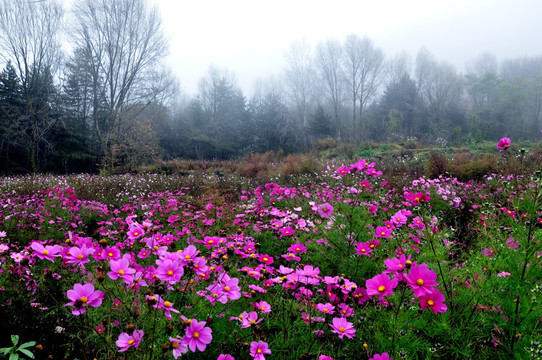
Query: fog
{"type": "Point", "coordinates": [250, 37]}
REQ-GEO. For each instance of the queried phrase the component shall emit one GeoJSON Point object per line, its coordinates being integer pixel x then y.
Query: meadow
{"type": "Point", "coordinates": [339, 263]}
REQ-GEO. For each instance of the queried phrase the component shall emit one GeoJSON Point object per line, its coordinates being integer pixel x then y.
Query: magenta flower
{"type": "Point", "coordinates": [381, 285]}
{"type": "Point", "coordinates": [434, 301]}
{"type": "Point", "coordinates": [225, 357]}
{"type": "Point", "coordinates": [178, 347]}
{"type": "Point", "coordinates": [383, 232]}
{"type": "Point", "coordinates": [198, 335]}
{"type": "Point", "coordinates": [259, 349]}
{"type": "Point", "coordinates": [325, 210]}
{"type": "Point", "coordinates": [170, 271]}
{"type": "Point", "coordinates": [326, 308]}
{"type": "Point", "coordinates": [383, 356]}
{"type": "Point", "coordinates": [421, 279]}
{"type": "Point", "coordinates": [82, 296]}
{"type": "Point", "coordinates": [230, 289]}
{"type": "Point", "coordinates": [47, 252]}
{"type": "Point", "coordinates": [165, 305]}
{"type": "Point", "coordinates": [262, 306]}
{"type": "Point", "coordinates": [135, 232]}
{"type": "Point", "coordinates": [287, 231]}
{"type": "Point", "coordinates": [364, 248]}
{"type": "Point", "coordinates": [342, 328]}
{"type": "Point", "coordinates": [126, 341]}
{"type": "Point", "coordinates": [249, 319]}
{"type": "Point", "coordinates": [76, 255]}
{"type": "Point", "coordinates": [504, 143]}
{"type": "Point", "coordinates": [121, 268]}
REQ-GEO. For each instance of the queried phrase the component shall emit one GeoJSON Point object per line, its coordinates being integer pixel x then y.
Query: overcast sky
{"type": "Point", "coordinates": [251, 37]}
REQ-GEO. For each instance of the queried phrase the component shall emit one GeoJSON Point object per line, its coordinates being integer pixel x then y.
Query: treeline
{"type": "Point", "coordinates": [112, 104]}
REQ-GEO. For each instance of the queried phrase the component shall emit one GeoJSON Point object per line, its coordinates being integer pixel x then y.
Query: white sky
{"type": "Point", "coordinates": [251, 37]}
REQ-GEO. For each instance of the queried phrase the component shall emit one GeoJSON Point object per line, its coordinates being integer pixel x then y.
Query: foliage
{"type": "Point", "coordinates": [14, 351]}
{"type": "Point", "coordinates": [284, 265]}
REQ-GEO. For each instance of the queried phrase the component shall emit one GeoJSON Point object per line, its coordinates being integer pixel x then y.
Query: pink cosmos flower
{"type": "Point", "coordinates": [135, 232]}
{"type": "Point", "coordinates": [504, 143]}
{"type": "Point", "coordinates": [434, 301]}
{"type": "Point", "coordinates": [78, 256]}
{"type": "Point", "coordinates": [198, 335]}
{"type": "Point", "coordinates": [126, 341]}
{"type": "Point", "coordinates": [82, 296]}
{"type": "Point", "coordinates": [121, 268]}
{"type": "Point", "coordinates": [326, 308]}
{"type": "Point", "coordinates": [399, 219]}
{"type": "Point", "coordinates": [325, 210]}
{"type": "Point", "coordinates": [381, 285]}
{"type": "Point", "coordinates": [383, 356]}
{"type": "Point", "coordinates": [47, 252]}
{"type": "Point", "coordinates": [262, 306]}
{"type": "Point", "coordinates": [230, 289]}
{"type": "Point", "coordinates": [178, 347]}
{"type": "Point", "coordinates": [325, 357]}
{"type": "Point", "coordinates": [298, 248]}
{"type": "Point", "coordinates": [165, 305]}
{"type": "Point", "coordinates": [364, 248]}
{"type": "Point", "coordinates": [249, 319]}
{"type": "Point", "coordinates": [259, 349]}
{"type": "Point", "coordinates": [343, 170]}
{"type": "Point", "coordinates": [225, 357]}
{"type": "Point", "coordinates": [342, 328]}
{"type": "Point", "coordinates": [170, 271]}
{"type": "Point", "coordinates": [287, 231]}
{"type": "Point", "coordinates": [421, 279]}
{"type": "Point", "coordinates": [383, 232]}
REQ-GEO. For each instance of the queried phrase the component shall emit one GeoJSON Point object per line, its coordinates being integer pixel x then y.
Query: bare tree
{"type": "Point", "coordinates": [29, 39]}
{"type": "Point", "coordinates": [364, 70]}
{"type": "Point", "coordinates": [124, 44]}
{"type": "Point", "coordinates": [328, 60]}
{"type": "Point", "coordinates": [300, 78]}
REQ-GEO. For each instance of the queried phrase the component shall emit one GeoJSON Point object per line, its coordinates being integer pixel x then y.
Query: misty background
{"type": "Point", "coordinates": [100, 84]}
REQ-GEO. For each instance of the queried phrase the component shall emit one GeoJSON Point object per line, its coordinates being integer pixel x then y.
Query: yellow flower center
{"type": "Point", "coordinates": [325, 310]}
{"type": "Point", "coordinates": [430, 302]}
{"type": "Point", "coordinates": [259, 351]}
{"type": "Point", "coordinates": [252, 322]}
{"type": "Point", "coordinates": [187, 257]}
{"type": "Point", "coordinates": [136, 233]}
{"type": "Point", "coordinates": [210, 241]}
{"type": "Point", "coordinates": [45, 252]}
{"type": "Point", "coordinates": [170, 272]}
{"type": "Point", "coordinates": [84, 299]}
{"type": "Point", "coordinates": [121, 272]}
{"type": "Point", "coordinates": [419, 282]}
{"type": "Point", "coordinates": [167, 304]}
{"type": "Point", "coordinates": [408, 262]}
{"type": "Point", "coordinates": [382, 233]}
{"type": "Point", "coordinates": [80, 256]}
{"type": "Point", "coordinates": [381, 288]}
{"type": "Point", "coordinates": [195, 335]}
{"type": "Point", "coordinates": [131, 341]}
{"type": "Point", "coordinates": [226, 288]}
{"type": "Point", "coordinates": [175, 345]}
{"type": "Point", "coordinates": [265, 259]}
{"type": "Point", "coordinates": [262, 308]}
{"type": "Point", "coordinates": [341, 329]}
{"type": "Point", "coordinates": [362, 250]}
{"type": "Point", "coordinates": [110, 254]}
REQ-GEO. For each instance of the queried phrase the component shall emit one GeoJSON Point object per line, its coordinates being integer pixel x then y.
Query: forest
{"type": "Point", "coordinates": [87, 90]}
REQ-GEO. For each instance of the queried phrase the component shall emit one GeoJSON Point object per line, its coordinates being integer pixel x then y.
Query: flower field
{"type": "Point", "coordinates": [340, 266]}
